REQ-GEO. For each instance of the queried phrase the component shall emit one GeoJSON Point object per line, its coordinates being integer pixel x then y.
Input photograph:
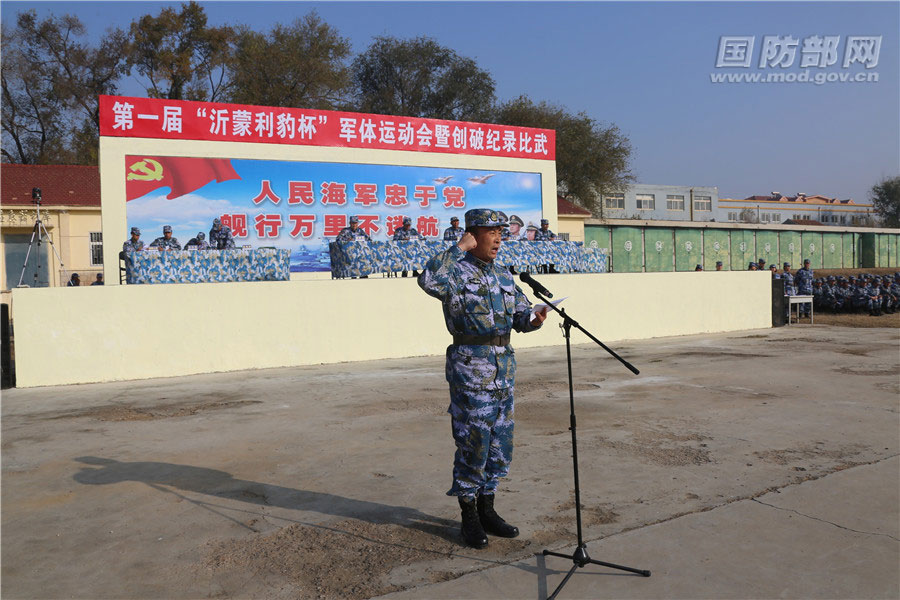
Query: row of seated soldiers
{"type": "Point", "coordinates": [874, 294]}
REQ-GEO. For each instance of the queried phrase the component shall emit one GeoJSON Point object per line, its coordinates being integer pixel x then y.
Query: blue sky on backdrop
{"type": "Point", "coordinates": [645, 67]}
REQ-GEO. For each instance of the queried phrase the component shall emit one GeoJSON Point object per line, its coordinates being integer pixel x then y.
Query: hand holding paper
{"type": "Point", "coordinates": [543, 308]}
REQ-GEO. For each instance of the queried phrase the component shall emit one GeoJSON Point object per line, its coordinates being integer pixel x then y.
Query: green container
{"type": "Point", "coordinates": [716, 247]}
{"type": "Point", "coordinates": [597, 237]}
{"type": "Point", "coordinates": [688, 249]}
{"type": "Point", "coordinates": [789, 247]}
{"type": "Point", "coordinates": [884, 249]}
{"type": "Point", "coordinates": [627, 250]}
{"type": "Point", "coordinates": [659, 249]}
{"type": "Point", "coordinates": [868, 250]}
{"type": "Point", "coordinates": [832, 251]}
{"type": "Point", "coordinates": [767, 246]}
{"type": "Point", "coordinates": [743, 249]}
{"type": "Point", "coordinates": [811, 242]}
{"type": "Point", "coordinates": [849, 248]}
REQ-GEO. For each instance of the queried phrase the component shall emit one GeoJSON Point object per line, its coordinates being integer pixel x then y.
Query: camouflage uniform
{"type": "Point", "coordinates": [480, 301]}
{"type": "Point", "coordinates": [453, 233]}
{"type": "Point", "coordinates": [162, 242]}
{"type": "Point", "coordinates": [402, 235]}
{"type": "Point", "coordinates": [220, 236]}
{"type": "Point", "coordinates": [198, 242]}
{"type": "Point", "coordinates": [789, 289]}
{"type": "Point", "coordinates": [133, 246]}
{"type": "Point", "coordinates": [348, 234]}
{"type": "Point", "coordinates": [544, 236]}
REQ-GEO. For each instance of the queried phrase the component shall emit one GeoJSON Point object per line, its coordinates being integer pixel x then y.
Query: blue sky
{"type": "Point", "coordinates": [645, 67]}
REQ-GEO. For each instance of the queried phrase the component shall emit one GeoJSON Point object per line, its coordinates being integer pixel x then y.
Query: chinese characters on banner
{"type": "Point", "coordinates": [185, 120]}
{"type": "Point", "coordinates": [303, 206]}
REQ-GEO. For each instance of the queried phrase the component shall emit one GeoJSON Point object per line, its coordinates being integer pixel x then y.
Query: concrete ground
{"type": "Point", "coordinates": [755, 464]}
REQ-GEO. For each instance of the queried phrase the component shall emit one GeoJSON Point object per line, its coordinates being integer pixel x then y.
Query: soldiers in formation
{"type": "Point", "coordinates": [874, 294]}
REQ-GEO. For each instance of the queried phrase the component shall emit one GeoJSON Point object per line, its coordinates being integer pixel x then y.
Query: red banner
{"type": "Point", "coordinates": [181, 175]}
{"type": "Point", "coordinates": [185, 120]}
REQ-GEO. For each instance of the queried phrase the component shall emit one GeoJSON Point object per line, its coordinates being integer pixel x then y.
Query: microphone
{"type": "Point", "coordinates": [535, 285]}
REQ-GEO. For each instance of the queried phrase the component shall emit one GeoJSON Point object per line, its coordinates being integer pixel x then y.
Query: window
{"type": "Point", "coordinates": [674, 202]}
{"type": "Point", "coordinates": [614, 201]}
{"type": "Point", "coordinates": [798, 217]}
{"type": "Point", "coordinates": [15, 247]}
{"type": "Point", "coordinates": [702, 202]}
{"type": "Point", "coordinates": [843, 219]}
{"type": "Point", "coordinates": [563, 237]}
{"type": "Point", "coordinates": [765, 217]}
{"type": "Point", "coordinates": [646, 201]}
{"type": "Point", "coordinates": [776, 218]}
{"type": "Point", "coordinates": [732, 216]}
{"type": "Point", "coordinates": [96, 249]}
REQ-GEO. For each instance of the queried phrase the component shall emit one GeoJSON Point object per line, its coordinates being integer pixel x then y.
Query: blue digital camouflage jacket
{"type": "Point", "coordinates": [481, 299]}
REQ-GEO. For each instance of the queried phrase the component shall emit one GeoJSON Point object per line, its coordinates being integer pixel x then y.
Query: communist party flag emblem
{"type": "Point", "coordinates": [182, 175]}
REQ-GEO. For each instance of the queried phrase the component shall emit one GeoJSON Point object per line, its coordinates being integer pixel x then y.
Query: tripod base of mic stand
{"type": "Point", "coordinates": [581, 558]}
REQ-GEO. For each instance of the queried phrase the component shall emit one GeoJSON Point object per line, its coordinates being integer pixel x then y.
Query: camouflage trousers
{"type": "Point", "coordinates": [482, 422]}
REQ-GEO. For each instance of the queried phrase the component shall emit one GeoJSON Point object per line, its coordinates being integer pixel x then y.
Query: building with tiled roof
{"type": "Point", "coordinates": [70, 213]}
{"type": "Point", "coordinates": [570, 220]}
{"type": "Point", "coordinates": [776, 208]}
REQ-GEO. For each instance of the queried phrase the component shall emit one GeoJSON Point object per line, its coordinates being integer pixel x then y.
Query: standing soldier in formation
{"type": "Point", "coordinates": [482, 304]}
{"type": "Point", "coordinates": [220, 236]}
{"type": "Point", "coordinates": [166, 242]}
{"type": "Point", "coordinates": [788, 280]}
{"type": "Point", "coordinates": [198, 242]}
{"type": "Point", "coordinates": [773, 269]}
{"type": "Point", "coordinates": [454, 232]}
{"type": "Point", "coordinates": [134, 244]}
{"type": "Point", "coordinates": [803, 281]}
{"type": "Point", "coordinates": [353, 233]}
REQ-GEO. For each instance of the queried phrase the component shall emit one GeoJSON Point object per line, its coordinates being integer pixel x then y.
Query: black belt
{"type": "Point", "coordinates": [481, 340]}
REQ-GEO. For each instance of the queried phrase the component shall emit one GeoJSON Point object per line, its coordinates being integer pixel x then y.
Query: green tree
{"type": "Point", "coordinates": [420, 78]}
{"type": "Point", "coordinates": [51, 83]}
{"type": "Point", "coordinates": [181, 57]}
{"type": "Point", "coordinates": [885, 196]}
{"type": "Point", "coordinates": [301, 65]}
{"type": "Point", "coordinates": [591, 159]}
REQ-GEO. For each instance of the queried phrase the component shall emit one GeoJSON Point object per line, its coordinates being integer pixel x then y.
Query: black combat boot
{"type": "Point", "coordinates": [472, 532]}
{"type": "Point", "coordinates": [491, 521]}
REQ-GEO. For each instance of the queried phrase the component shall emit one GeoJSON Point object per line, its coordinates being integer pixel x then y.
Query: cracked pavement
{"type": "Point", "coordinates": [756, 464]}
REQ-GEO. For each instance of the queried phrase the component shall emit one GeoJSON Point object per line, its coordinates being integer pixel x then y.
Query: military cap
{"type": "Point", "coordinates": [135, 231]}
{"type": "Point", "coordinates": [201, 236]}
{"type": "Point", "coordinates": [545, 222]}
{"type": "Point", "coordinates": [518, 221]}
{"type": "Point", "coordinates": [787, 264]}
{"type": "Point", "coordinates": [830, 278]}
{"type": "Point", "coordinates": [698, 268]}
{"type": "Point", "coordinates": [354, 219]}
{"type": "Point", "coordinates": [760, 260]}
{"type": "Point", "coordinates": [75, 276]}
{"type": "Point", "coordinates": [718, 263]}
{"type": "Point", "coordinates": [454, 218]}
{"type": "Point", "coordinates": [503, 217]}
{"type": "Point", "coordinates": [217, 221]}
{"type": "Point", "coordinates": [407, 221]}
{"type": "Point", "coordinates": [773, 266]}
{"type": "Point", "coordinates": [806, 261]}
{"type": "Point", "coordinates": [752, 265]}
{"type": "Point", "coordinates": [482, 217]}
{"type": "Point", "coordinates": [167, 229]}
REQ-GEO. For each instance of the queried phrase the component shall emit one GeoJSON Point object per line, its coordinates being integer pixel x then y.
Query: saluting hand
{"type": "Point", "coordinates": [467, 242]}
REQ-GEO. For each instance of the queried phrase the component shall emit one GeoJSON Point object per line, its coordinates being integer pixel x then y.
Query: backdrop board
{"type": "Point", "coordinates": [290, 178]}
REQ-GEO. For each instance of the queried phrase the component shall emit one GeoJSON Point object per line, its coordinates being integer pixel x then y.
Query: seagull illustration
{"type": "Point", "coordinates": [443, 180]}
{"type": "Point", "coordinates": [481, 180]}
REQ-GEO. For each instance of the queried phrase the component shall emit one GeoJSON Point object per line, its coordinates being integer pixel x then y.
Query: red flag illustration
{"type": "Point", "coordinates": [182, 175]}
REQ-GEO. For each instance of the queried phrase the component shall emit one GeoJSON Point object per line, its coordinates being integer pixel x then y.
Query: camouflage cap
{"type": "Point", "coordinates": [75, 276]}
{"type": "Point", "coordinates": [167, 229]}
{"type": "Point", "coordinates": [503, 218]}
{"type": "Point", "coordinates": [718, 263]}
{"type": "Point", "coordinates": [354, 219]}
{"type": "Point", "coordinates": [517, 220]}
{"type": "Point", "coordinates": [454, 218]}
{"type": "Point", "coordinates": [217, 221]}
{"type": "Point", "coordinates": [482, 217]}
{"type": "Point", "coordinates": [760, 260]}
{"type": "Point", "coordinates": [201, 236]}
{"type": "Point", "coordinates": [698, 268]}
{"type": "Point", "coordinates": [135, 231]}
{"type": "Point", "coordinates": [787, 264]}
{"type": "Point", "coordinates": [806, 261]}
{"type": "Point", "coordinates": [773, 266]}
{"type": "Point", "coordinates": [407, 221]}
{"type": "Point", "coordinates": [752, 265]}
{"type": "Point", "coordinates": [545, 222]}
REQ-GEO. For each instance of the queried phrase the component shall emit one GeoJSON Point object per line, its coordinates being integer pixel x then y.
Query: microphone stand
{"type": "Point", "coordinates": [580, 556]}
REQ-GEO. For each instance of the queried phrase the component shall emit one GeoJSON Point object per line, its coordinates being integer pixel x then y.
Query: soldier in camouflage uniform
{"type": "Point", "coordinates": [788, 277]}
{"type": "Point", "coordinates": [482, 304]}
{"type": "Point", "coordinates": [803, 281]}
{"type": "Point", "coordinates": [353, 233]}
{"type": "Point", "coordinates": [405, 234]}
{"type": "Point", "coordinates": [545, 235]}
{"type": "Point", "coordinates": [454, 232]}
{"type": "Point", "coordinates": [198, 242]}
{"type": "Point", "coordinates": [166, 242]}
{"type": "Point", "coordinates": [134, 244]}
{"type": "Point", "coordinates": [220, 236]}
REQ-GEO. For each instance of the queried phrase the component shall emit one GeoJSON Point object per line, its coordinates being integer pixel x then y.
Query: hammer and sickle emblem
{"type": "Point", "coordinates": [145, 170]}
